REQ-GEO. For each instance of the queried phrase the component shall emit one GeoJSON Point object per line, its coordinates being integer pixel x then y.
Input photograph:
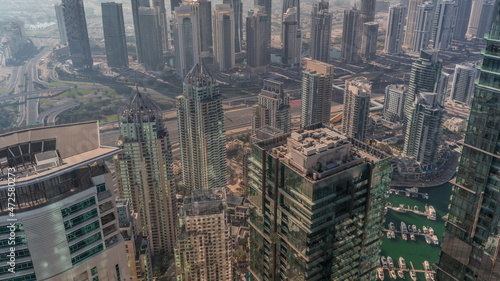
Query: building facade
{"type": "Point", "coordinates": [464, 83]}
{"type": "Point", "coordinates": [444, 24]}
{"type": "Point", "coordinates": [423, 133]}
{"type": "Point", "coordinates": [351, 37]}
{"type": "Point", "coordinates": [258, 56]}
{"type": "Point", "coordinates": [66, 224]}
{"type": "Point", "coordinates": [144, 171]}
{"type": "Point", "coordinates": [423, 27]}
{"type": "Point", "coordinates": [305, 207]}
{"type": "Point", "coordinates": [223, 21]}
{"type": "Point", "coordinates": [472, 239]}
{"type": "Point", "coordinates": [114, 35]}
{"type": "Point", "coordinates": [136, 4]}
{"type": "Point", "coordinates": [394, 102]}
{"type": "Point", "coordinates": [480, 18]}
{"type": "Point", "coordinates": [463, 16]}
{"type": "Point", "coordinates": [186, 38]}
{"type": "Point", "coordinates": [395, 29]}
{"type": "Point", "coordinates": [237, 7]}
{"type": "Point", "coordinates": [356, 107]}
{"type": "Point", "coordinates": [272, 108]}
{"type": "Point", "coordinates": [201, 131]}
{"type": "Point", "coordinates": [369, 35]}
{"type": "Point", "coordinates": [151, 38]}
{"type": "Point", "coordinates": [292, 39]}
{"type": "Point", "coordinates": [317, 90]}
{"type": "Point", "coordinates": [61, 27]}
{"type": "Point", "coordinates": [321, 32]}
{"type": "Point", "coordinates": [77, 34]}
{"type": "Point", "coordinates": [411, 22]}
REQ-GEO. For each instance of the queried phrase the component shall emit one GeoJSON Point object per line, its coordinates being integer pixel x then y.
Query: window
{"type": "Point", "coordinates": [82, 231]}
{"type": "Point", "coordinates": [93, 271]}
{"type": "Point", "coordinates": [101, 187]}
{"type": "Point", "coordinates": [77, 207]}
{"type": "Point", "coordinates": [85, 242]}
{"type": "Point", "coordinates": [81, 218]}
{"type": "Point", "coordinates": [87, 254]}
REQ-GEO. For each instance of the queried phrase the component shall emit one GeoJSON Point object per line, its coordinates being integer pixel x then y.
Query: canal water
{"type": "Point", "coordinates": [416, 251]}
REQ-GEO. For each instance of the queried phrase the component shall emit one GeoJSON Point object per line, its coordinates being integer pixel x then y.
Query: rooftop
{"type": "Point", "coordinates": [319, 152]}
{"type": "Point", "coordinates": [204, 202]}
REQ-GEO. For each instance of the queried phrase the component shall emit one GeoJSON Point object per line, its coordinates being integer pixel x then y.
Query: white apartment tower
{"type": "Point", "coordinates": [394, 102]}
{"type": "Point", "coordinates": [395, 29]}
{"type": "Point", "coordinates": [444, 24]}
{"type": "Point", "coordinates": [272, 108]}
{"type": "Point", "coordinates": [423, 27]}
{"type": "Point", "coordinates": [463, 83]}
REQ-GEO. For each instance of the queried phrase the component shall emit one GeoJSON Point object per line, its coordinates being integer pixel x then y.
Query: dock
{"type": "Point", "coordinates": [413, 192]}
{"type": "Point", "coordinates": [402, 209]}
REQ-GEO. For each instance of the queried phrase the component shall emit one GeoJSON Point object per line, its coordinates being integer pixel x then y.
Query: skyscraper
{"type": "Point", "coordinates": [369, 34]}
{"type": "Point", "coordinates": [204, 10]}
{"type": "Point", "coordinates": [237, 7]}
{"type": "Point", "coordinates": [287, 4]}
{"type": "Point", "coordinates": [162, 17]}
{"type": "Point", "coordinates": [258, 56]}
{"type": "Point", "coordinates": [114, 34]}
{"type": "Point", "coordinates": [144, 171]}
{"type": "Point", "coordinates": [63, 38]}
{"type": "Point", "coordinates": [272, 108]}
{"type": "Point", "coordinates": [267, 5]}
{"type": "Point", "coordinates": [351, 37]}
{"type": "Point", "coordinates": [395, 29]}
{"type": "Point", "coordinates": [77, 35]}
{"type": "Point", "coordinates": [424, 77]}
{"type": "Point", "coordinates": [463, 16]}
{"type": "Point", "coordinates": [423, 27]}
{"type": "Point", "coordinates": [292, 39]}
{"type": "Point", "coordinates": [65, 217]}
{"type": "Point", "coordinates": [394, 102]}
{"type": "Point", "coordinates": [151, 38]}
{"type": "Point", "coordinates": [356, 107]}
{"type": "Point", "coordinates": [289, 177]}
{"type": "Point", "coordinates": [321, 32]}
{"type": "Point", "coordinates": [411, 21]}
{"type": "Point", "coordinates": [472, 237]}
{"type": "Point", "coordinates": [424, 129]}
{"type": "Point", "coordinates": [367, 10]}
{"type": "Point", "coordinates": [186, 38]}
{"type": "Point", "coordinates": [480, 18]}
{"type": "Point", "coordinates": [204, 248]}
{"type": "Point", "coordinates": [464, 83]}
{"type": "Point", "coordinates": [443, 86]}
{"type": "Point", "coordinates": [317, 79]}
{"type": "Point", "coordinates": [444, 24]}
{"type": "Point", "coordinates": [223, 20]}
{"type": "Point", "coordinates": [201, 131]}
{"type": "Point", "coordinates": [136, 4]}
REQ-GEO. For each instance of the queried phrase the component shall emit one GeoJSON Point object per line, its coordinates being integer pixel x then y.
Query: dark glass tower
{"type": "Point", "coordinates": [471, 246]}
{"type": "Point", "coordinates": [321, 31]}
{"type": "Point", "coordinates": [77, 34]}
{"type": "Point", "coordinates": [114, 34]}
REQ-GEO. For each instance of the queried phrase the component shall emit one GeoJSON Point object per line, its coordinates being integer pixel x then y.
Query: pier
{"type": "Point", "coordinates": [402, 209]}
{"type": "Point", "coordinates": [413, 192]}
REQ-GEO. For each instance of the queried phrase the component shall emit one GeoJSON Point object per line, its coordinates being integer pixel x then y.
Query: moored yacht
{"type": "Point", "coordinates": [392, 273]}
{"type": "Point", "coordinates": [401, 274]}
{"type": "Point", "coordinates": [380, 273]}
{"type": "Point", "coordinates": [383, 260]}
{"type": "Point", "coordinates": [402, 263]}
{"type": "Point", "coordinates": [403, 227]}
{"type": "Point", "coordinates": [390, 262]}
{"type": "Point", "coordinates": [413, 275]}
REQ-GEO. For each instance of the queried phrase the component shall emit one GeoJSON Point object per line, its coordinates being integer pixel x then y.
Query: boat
{"type": "Point", "coordinates": [425, 229]}
{"type": "Point", "coordinates": [412, 237]}
{"type": "Point", "coordinates": [401, 274]}
{"type": "Point", "coordinates": [431, 213]}
{"type": "Point", "coordinates": [429, 276]}
{"type": "Point", "coordinates": [390, 262]}
{"type": "Point", "coordinates": [383, 260]}
{"type": "Point", "coordinates": [415, 208]}
{"type": "Point", "coordinates": [389, 234]}
{"type": "Point", "coordinates": [428, 239]}
{"type": "Point", "coordinates": [410, 228]}
{"type": "Point", "coordinates": [405, 237]}
{"type": "Point", "coordinates": [402, 263]}
{"type": "Point", "coordinates": [393, 234]}
{"type": "Point", "coordinates": [415, 228]}
{"type": "Point", "coordinates": [392, 273]}
{"type": "Point", "coordinates": [431, 231]}
{"type": "Point", "coordinates": [425, 195]}
{"type": "Point", "coordinates": [435, 239]}
{"type": "Point", "coordinates": [403, 227]}
{"type": "Point", "coordinates": [391, 226]}
{"type": "Point", "coordinates": [427, 266]}
{"type": "Point", "coordinates": [380, 273]}
{"type": "Point", "coordinates": [413, 275]}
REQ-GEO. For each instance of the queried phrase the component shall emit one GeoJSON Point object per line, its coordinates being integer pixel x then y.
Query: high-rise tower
{"type": "Point", "coordinates": [321, 32]}
{"type": "Point", "coordinates": [424, 129]}
{"type": "Point", "coordinates": [317, 90]}
{"type": "Point", "coordinates": [77, 35]}
{"type": "Point", "coordinates": [64, 224]}
{"type": "Point", "coordinates": [369, 34]}
{"type": "Point", "coordinates": [395, 29]}
{"type": "Point", "coordinates": [63, 38]}
{"type": "Point", "coordinates": [464, 83]}
{"type": "Point", "coordinates": [186, 38]}
{"type": "Point", "coordinates": [267, 6]}
{"type": "Point", "coordinates": [287, 4]}
{"type": "Point", "coordinates": [394, 102]}
{"type": "Point", "coordinates": [237, 7]}
{"type": "Point", "coordinates": [201, 131]}
{"type": "Point", "coordinates": [114, 34]}
{"type": "Point", "coordinates": [136, 4]}
{"type": "Point", "coordinates": [463, 16]}
{"type": "Point", "coordinates": [444, 24]}
{"type": "Point", "coordinates": [258, 56]}
{"type": "Point", "coordinates": [480, 18]}
{"type": "Point", "coordinates": [272, 108]}
{"type": "Point", "coordinates": [223, 27]}
{"type": "Point", "coordinates": [151, 38]}
{"type": "Point", "coordinates": [289, 178]}
{"type": "Point", "coordinates": [351, 36]}
{"type": "Point", "coordinates": [144, 171]}
{"type": "Point", "coordinates": [292, 39]}
{"type": "Point", "coordinates": [411, 21]}
{"type": "Point", "coordinates": [356, 107]}
{"type": "Point", "coordinates": [423, 27]}
{"type": "Point", "coordinates": [472, 239]}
